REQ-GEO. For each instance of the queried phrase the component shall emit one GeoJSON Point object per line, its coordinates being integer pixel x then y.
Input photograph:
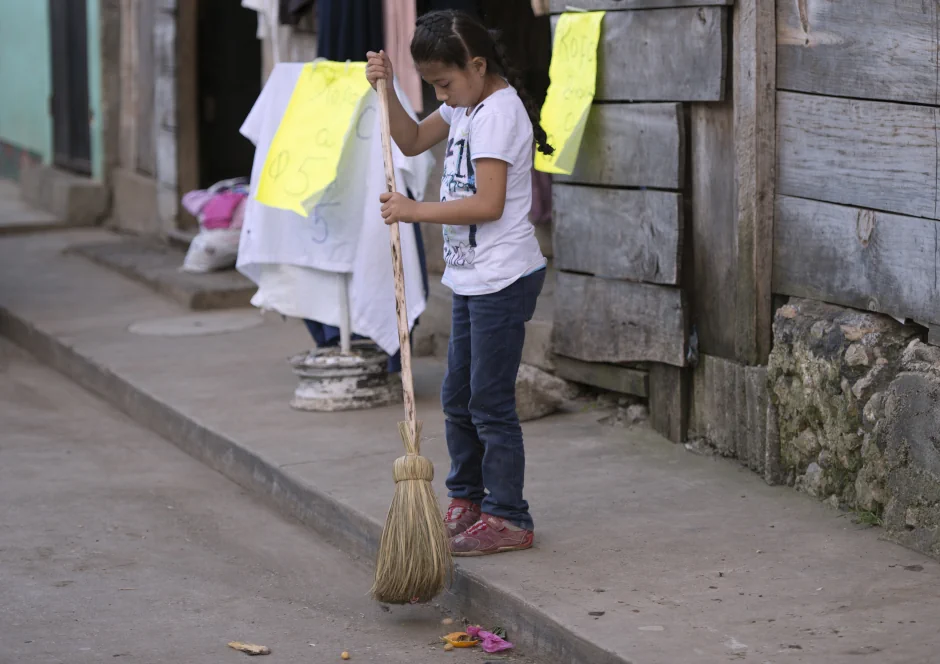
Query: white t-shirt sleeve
{"type": "Point", "coordinates": [252, 126]}
{"type": "Point", "coordinates": [493, 136]}
{"type": "Point", "coordinates": [447, 113]}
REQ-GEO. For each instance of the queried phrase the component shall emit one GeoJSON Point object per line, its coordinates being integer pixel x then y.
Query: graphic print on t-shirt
{"type": "Point", "coordinates": [459, 181]}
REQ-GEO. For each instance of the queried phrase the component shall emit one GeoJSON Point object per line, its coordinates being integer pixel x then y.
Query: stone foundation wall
{"type": "Point", "coordinates": [857, 401]}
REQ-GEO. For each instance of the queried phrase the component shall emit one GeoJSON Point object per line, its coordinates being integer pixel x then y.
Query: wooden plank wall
{"type": "Point", "coordinates": [755, 77]}
{"type": "Point", "coordinates": [731, 409]}
{"type": "Point", "coordinates": [733, 182]}
{"type": "Point", "coordinates": [620, 218]}
{"type": "Point", "coordinates": [618, 233]}
{"type": "Point", "coordinates": [858, 200]}
{"type": "Point", "coordinates": [612, 320]}
{"type": "Point", "coordinates": [642, 58]}
{"type": "Point", "coordinates": [633, 145]}
{"type": "Point", "coordinates": [713, 228]}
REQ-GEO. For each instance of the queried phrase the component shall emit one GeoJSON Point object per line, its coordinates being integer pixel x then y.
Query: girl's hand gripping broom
{"type": "Point", "coordinates": [414, 559]}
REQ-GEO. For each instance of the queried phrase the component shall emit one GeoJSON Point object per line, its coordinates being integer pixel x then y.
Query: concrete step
{"type": "Point", "coordinates": [135, 207]}
{"type": "Point", "coordinates": [76, 200]}
{"type": "Point", "coordinates": [157, 265]}
{"type": "Point", "coordinates": [18, 216]}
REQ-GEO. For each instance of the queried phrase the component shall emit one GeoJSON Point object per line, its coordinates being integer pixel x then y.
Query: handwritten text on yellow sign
{"type": "Point", "coordinates": [303, 158]}
{"type": "Point", "coordinates": [573, 75]}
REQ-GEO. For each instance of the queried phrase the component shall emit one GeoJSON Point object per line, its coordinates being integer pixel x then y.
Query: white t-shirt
{"type": "Point", "coordinates": [488, 257]}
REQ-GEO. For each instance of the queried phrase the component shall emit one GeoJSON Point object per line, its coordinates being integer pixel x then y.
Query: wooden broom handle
{"type": "Point", "coordinates": [407, 381]}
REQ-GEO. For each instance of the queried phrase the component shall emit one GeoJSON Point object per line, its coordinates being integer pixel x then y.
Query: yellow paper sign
{"type": "Point", "coordinates": [573, 75]}
{"type": "Point", "coordinates": [308, 145]}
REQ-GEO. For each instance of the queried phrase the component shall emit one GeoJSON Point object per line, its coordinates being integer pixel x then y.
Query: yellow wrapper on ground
{"type": "Point", "coordinates": [573, 75]}
{"type": "Point", "coordinates": [306, 150]}
{"type": "Point", "coordinates": [460, 640]}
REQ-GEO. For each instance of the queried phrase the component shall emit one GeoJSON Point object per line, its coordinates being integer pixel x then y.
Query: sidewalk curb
{"type": "Point", "coordinates": [469, 594]}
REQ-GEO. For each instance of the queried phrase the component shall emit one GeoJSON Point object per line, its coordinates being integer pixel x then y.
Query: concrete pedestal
{"type": "Point", "coordinates": [333, 381]}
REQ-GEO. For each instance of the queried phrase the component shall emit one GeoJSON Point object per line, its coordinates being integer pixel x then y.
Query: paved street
{"type": "Point", "coordinates": [116, 546]}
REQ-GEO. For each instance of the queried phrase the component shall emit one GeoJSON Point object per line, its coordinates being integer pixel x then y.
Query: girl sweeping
{"type": "Point", "coordinates": [494, 264]}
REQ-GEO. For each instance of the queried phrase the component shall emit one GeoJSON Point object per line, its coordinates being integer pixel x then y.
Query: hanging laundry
{"type": "Point", "coordinates": [400, 18]}
{"type": "Point", "coordinates": [289, 42]}
{"type": "Point", "coordinates": [348, 29]}
{"type": "Point", "coordinates": [298, 261]}
{"type": "Point", "coordinates": [294, 12]}
{"type": "Point", "coordinates": [541, 7]}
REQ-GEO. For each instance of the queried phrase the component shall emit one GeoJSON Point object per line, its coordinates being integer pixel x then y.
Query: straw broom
{"type": "Point", "coordinates": [414, 559]}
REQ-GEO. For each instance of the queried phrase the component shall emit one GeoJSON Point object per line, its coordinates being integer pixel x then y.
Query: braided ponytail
{"type": "Point", "coordinates": [453, 38]}
{"type": "Point", "coordinates": [514, 76]}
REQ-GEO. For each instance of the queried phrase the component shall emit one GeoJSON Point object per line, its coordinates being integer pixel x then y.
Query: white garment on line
{"type": "Point", "coordinates": [284, 253]}
{"type": "Point", "coordinates": [287, 44]}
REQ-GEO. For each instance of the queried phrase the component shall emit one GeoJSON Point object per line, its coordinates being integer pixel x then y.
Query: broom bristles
{"type": "Point", "coordinates": [414, 561]}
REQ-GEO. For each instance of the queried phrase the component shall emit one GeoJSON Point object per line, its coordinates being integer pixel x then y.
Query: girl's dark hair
{"type": "Point", "coordinates": [454, 38]}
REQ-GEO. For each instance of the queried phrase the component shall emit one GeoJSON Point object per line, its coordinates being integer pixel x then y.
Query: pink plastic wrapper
{"type": "Point", "coordinates": [489, 641]}
{"type": "Point", "coordinates": [218, 212]}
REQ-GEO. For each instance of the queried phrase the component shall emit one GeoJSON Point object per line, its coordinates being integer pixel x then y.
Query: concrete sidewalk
{"type": "Point", "coordinates": [645, 553]}
{"type": "Point", "coordinates": [17, 216]}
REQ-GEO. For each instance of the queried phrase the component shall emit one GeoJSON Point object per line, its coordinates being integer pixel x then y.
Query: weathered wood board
{"type": "Point", "coordinates": [754, 80]}
{"type": "Point", "coordinates": [559, 6]}
{"type": "Point", "coordinates": [877, 155]}
{"type": "Point", "coordinates": [869, 49]}
{"type": "Point", "coordinates": [858, 258]}
{"type": "Point", "coordinates": [730, 404]}
{"type": "Point", "coordinates": [714, 259]}
{"type": "Point", "coordinates": [933, 335]}
{"type": "Point", "coordinates": [618, 233]}
{"type": "Point", "coordinates": [669, 401]}
{"type": "Point", "coordinates": [605, 376]}
{"type": "Point", "coordinates": [663, 55]}
{"type": "Point", "coordinates": [632, 145]}
{"type": "Point", "coordinates": [606, 320]}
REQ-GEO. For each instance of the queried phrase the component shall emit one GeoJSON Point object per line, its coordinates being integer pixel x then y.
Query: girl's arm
{"type": "Point", "coordinates": [412, 138]}
{"type": "Point", "coordinates": [485, 205]}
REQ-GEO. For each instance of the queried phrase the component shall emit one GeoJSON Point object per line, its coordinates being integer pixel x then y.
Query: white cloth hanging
{"type": "Point", "coordinates": [297, 271]}
{"type": "Point", "coordinates": [287, 44]}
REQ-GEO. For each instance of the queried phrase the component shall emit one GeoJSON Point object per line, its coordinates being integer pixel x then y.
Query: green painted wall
{"type": "Point", "coordinates": [25, 76]}
{"type": "Point", "coordinates": [94, 89]}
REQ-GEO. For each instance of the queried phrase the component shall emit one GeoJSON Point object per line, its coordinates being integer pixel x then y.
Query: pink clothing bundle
{"type": "Point", "coordinates": [220, 211]}
{"type": "Point", "coordinates": [216, 210]}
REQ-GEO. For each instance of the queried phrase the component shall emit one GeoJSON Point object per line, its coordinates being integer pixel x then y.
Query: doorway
{"type": "Point", "coordinates": [71, 134]}
{"type": "Point", "coordinates": [229, 82]}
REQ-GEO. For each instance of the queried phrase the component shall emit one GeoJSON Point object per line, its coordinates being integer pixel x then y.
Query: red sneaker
{"type": "Point", "coordinates": [460, 515]}
{"type": "Point", "coordinates": [491, 535]}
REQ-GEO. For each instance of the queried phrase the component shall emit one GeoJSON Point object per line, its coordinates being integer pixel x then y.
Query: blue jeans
{"type": "Point", "coordinates": [479, 398]}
